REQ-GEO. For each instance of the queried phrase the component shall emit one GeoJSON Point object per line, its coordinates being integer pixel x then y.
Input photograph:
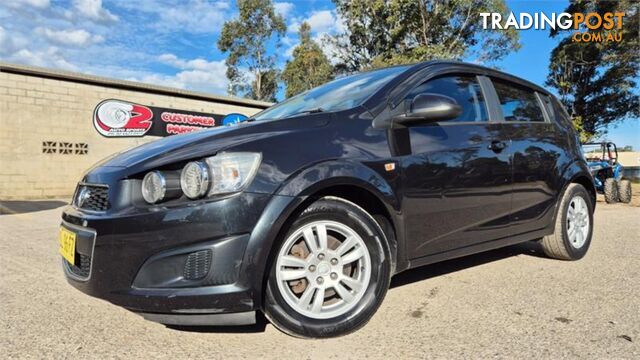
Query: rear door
{"type": "Point", "coordinates": [457, 178]}
{"type": "Point", "coordinates": [537, 154]}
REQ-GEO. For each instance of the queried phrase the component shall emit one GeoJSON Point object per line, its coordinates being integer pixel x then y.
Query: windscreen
{"type": "Point", "coordinates": [340, 94]}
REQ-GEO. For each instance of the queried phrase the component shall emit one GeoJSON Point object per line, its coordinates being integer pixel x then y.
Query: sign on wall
{"type": "Point", "coordinates": [118, 118]}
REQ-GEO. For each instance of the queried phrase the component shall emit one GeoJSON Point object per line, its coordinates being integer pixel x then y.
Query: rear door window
{"type": "Point", "coordinates": [517, 102]}
{"type": "Point", "coordinates": [464, 89]}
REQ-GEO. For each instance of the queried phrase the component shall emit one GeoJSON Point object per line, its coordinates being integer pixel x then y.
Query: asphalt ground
{"type": "Point", "coordinates": [8, 207]}
{"type": "Point", "coordinates": [507, 303]}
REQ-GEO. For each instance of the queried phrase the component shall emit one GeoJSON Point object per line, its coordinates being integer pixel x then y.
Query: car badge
{"type": "Point", "coordinates": [83, 196]}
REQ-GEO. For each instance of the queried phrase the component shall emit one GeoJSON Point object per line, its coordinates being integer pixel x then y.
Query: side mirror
{"type": "Point", "coordinates": [426, 108]}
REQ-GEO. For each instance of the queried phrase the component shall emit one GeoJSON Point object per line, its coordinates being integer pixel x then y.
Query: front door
{"type": "Point", "coordinates": [457, 179]}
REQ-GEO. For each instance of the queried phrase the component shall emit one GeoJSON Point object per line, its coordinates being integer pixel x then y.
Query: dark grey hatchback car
{"type": "Point", "coordinates": [307, 210]}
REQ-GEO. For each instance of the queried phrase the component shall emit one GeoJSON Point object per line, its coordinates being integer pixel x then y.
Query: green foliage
{"type": "Point", "coordinates": [309, 66]}
{"type": "Point", "coordinates": [388, 32]}
{"type": "Point", "coordinates": [597, 80]}
{"type": "Point", "coordinates": [585, 136]}
{"type": "Point", "coordinates": [245, 39]}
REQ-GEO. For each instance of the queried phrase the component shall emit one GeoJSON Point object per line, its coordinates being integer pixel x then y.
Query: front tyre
{"type": "Point", "coordinates": [574, 226]}
{"type": "Point", "coordinates": [331, 272]}
{"type": "Point", "coordinates": [624, 191]}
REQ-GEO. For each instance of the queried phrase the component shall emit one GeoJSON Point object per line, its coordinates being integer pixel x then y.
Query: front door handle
{"type": "Point", "coordinates": [497, 146]}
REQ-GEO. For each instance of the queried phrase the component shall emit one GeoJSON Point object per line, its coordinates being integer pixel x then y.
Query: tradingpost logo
{"type": "Point", "coordinates": [589, 27]}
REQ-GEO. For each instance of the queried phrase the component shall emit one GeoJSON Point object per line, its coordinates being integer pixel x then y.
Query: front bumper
{"type": "Point", "coordinates": [179, 265]}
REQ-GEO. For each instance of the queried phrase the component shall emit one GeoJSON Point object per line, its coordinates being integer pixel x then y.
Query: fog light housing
{"type": "Point", "coordinates": [197, 265]}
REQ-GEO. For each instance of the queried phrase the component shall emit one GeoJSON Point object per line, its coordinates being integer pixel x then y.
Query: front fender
{"type": "Point", "coordinates": [261, 241]}
{"type": "Point", "coordinates": [291, 195]}
{"type": "Point", "coordinates": [333, 173]}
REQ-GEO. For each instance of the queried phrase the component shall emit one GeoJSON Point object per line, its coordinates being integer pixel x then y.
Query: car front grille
{"type": "Point", "coordinates": [82, 266]}
{"type": "Point", "coordinates": [92, 197]}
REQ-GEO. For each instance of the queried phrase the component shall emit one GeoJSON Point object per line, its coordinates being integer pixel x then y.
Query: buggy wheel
{"type": "Point", "coordinates": [624, 191]}
{"type": "Point", "coordinates": [610, 190]}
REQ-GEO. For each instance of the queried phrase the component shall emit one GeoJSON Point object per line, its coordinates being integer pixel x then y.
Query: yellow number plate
{"type": "Point", "coordinates": [67, 242]}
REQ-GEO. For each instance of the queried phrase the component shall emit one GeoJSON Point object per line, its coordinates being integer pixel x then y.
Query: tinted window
{"type": "Point", "coordinates": [561, 114]}
{"type": "Point", "coordinates": [555, 111]}
{"type": "Point", "coordinates": [464, 89]}
{"type": "Point", "coordinates": [518, 103]}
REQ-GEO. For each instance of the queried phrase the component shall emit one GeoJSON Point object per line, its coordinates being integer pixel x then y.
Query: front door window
{"type": "Point", "coordinates": [464, 89]}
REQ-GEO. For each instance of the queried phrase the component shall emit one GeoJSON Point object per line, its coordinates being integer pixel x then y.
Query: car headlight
{"type": "Point", "coordinates": [194, 179]}
{"type": "Point", "coordinates": [154, 187]}
{"type": "Point", "coordinates": [221, 174]}
{"type": "Point", "coordinates": [232, 172]}
{"type": "Point", "coordinates": [158, 186]}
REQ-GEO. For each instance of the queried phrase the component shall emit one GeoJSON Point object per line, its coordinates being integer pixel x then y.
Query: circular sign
{"type": "Point", "coordinates": [115, 118]}
{"type": "Point", "coordinates": [234, 118]}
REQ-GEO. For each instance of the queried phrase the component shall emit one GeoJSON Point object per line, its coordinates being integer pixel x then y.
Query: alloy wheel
{"type": "Point", "coordinates": [577, 222]}
{"type": "Point", "coordinates": [323, 269]}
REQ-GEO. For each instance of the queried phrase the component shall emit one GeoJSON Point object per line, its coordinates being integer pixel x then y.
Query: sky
{"type": "Point", "coordinates": [173, 43]}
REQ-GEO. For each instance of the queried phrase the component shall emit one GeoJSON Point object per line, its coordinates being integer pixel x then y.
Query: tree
{"type": "Point", "coordinates": [309, 66]}
{"type": "Point", "coordinates": [388, 32]}
{"type": "Point", "coordinates": [246, 39]}
{"type": "Point", "coordinates": [596, 81]}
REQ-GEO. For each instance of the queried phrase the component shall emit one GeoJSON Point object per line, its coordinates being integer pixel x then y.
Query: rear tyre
{"type": "Point", "coordinates": [610, 190]}
{"type": "Point", "coordinates": [624, 191]}
{"type": "Point", "coordinates": [573, 228]}
{"type": "Point", "coordinates": [330, 273]}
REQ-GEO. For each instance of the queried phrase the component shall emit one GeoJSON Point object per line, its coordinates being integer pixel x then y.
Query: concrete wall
{"type": "Point", "coordinates": [39, 112]}
{"type": "Point", "coordinates": [629, 158]}
{"type": "Point", "coordinates": [630, 161]}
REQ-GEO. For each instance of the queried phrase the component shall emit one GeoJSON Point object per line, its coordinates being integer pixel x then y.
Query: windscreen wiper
{"type": "Point", "coordinates": [306, 111]}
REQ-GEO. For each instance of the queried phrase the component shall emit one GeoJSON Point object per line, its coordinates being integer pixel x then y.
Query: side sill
{"type": "Point", "coordinates": [478, 248]}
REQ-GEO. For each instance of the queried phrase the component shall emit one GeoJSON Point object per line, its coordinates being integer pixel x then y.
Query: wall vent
{"type": "Point", "coordinates": [55, 147]}
{"type": "Point", "coordinates": [65, 148]}
{"type": "Point", "coordinates": [82, 148]}
{"type": "Point", "coordinates": [49, 147]}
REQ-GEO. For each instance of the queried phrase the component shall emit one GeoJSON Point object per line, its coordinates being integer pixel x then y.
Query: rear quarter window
{"type": "Point", "coordinates": [518, 103]}
{"type": "Point", "coordinates": [560, 113]}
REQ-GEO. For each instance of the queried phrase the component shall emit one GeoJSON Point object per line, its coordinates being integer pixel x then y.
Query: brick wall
{"type": "Point", "coordinates": [36, 109]}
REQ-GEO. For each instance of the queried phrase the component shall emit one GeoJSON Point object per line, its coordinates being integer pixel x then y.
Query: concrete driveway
{"type": "Point", "coordinates": [508, 303]}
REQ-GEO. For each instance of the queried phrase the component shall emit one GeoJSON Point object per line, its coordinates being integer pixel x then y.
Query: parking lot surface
{"type": "Point", "coordinates": [507, 303]}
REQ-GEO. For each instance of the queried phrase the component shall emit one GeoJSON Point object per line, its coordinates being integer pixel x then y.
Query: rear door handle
{"type": "Point", "coordinates": [497, 146]}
